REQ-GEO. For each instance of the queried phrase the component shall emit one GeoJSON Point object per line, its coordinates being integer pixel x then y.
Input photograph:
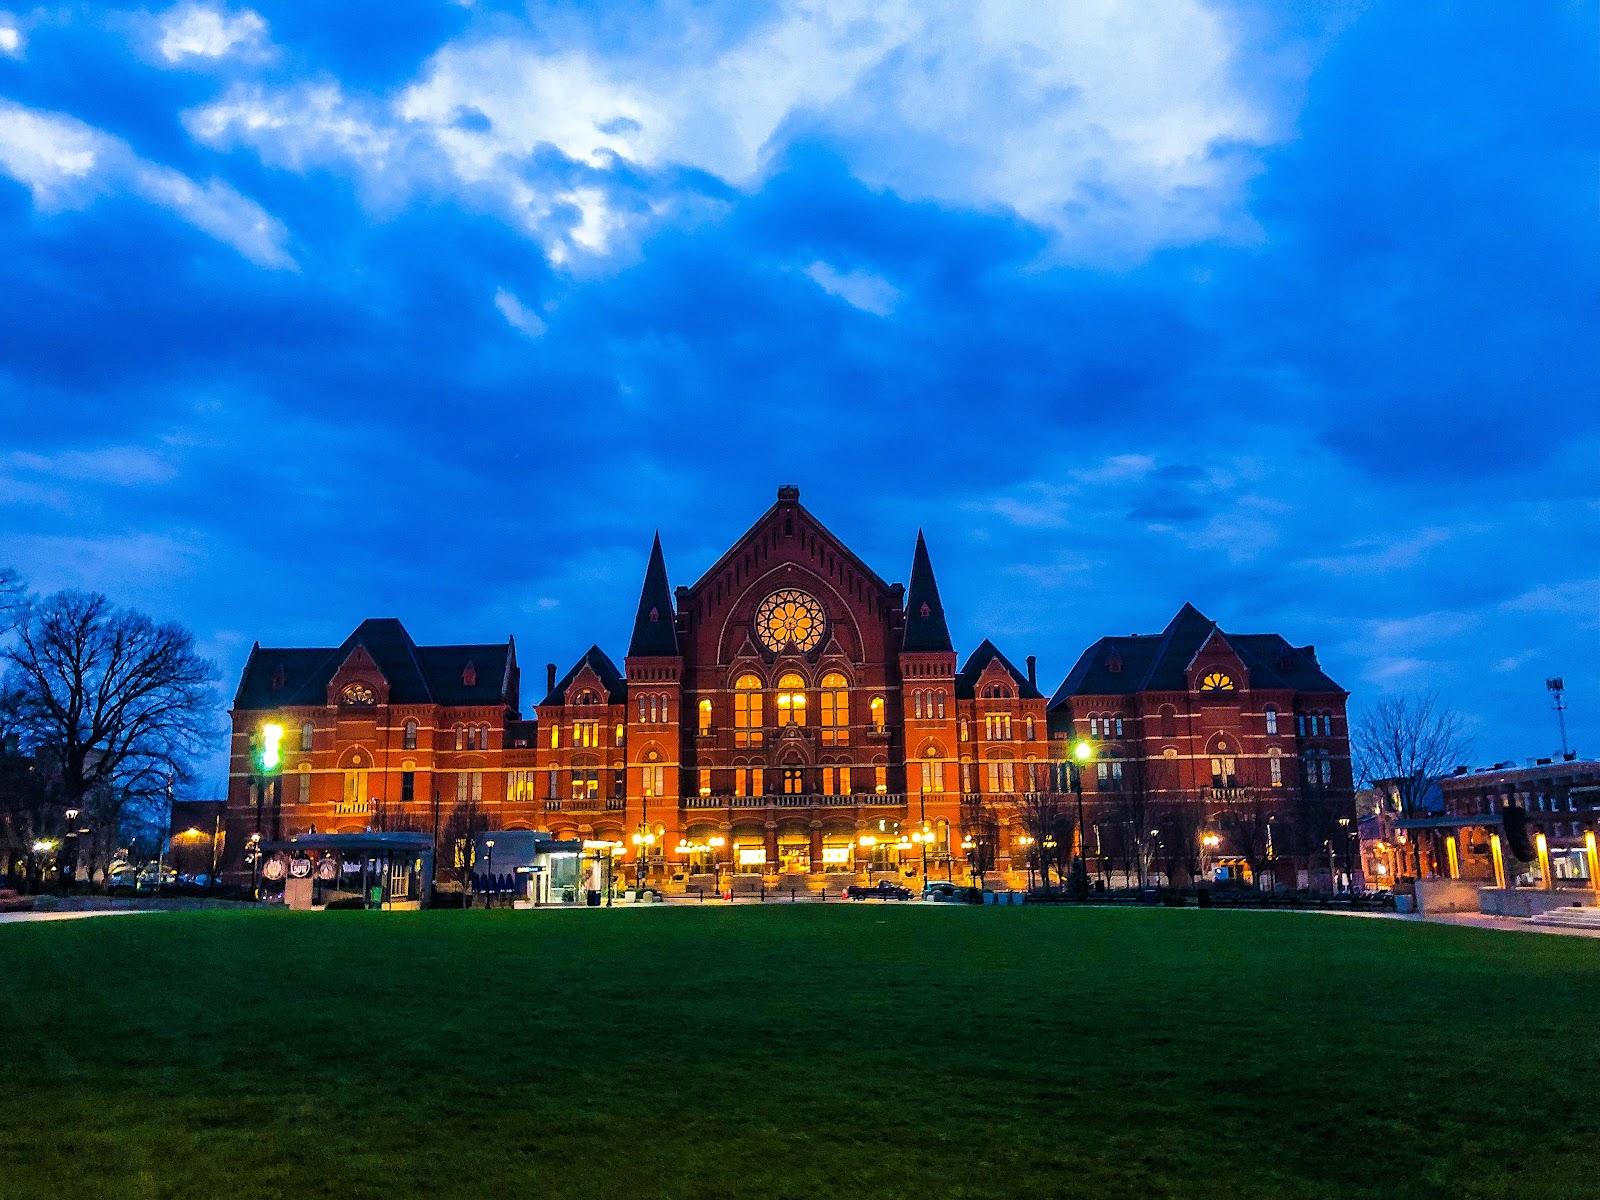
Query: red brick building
{"type": "Point", "coordinates": [790, 718]}
{"type": "Point", "coordinates": [1212, 750]}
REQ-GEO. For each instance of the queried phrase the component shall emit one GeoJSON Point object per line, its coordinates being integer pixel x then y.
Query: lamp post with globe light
{"type": "Point", "coordinates": [1080, 868]}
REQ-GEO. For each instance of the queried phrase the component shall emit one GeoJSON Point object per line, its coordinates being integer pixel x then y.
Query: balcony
{"type": "Point", "coordinates": [586, 804]}
{"type": "Point", "coordinates": [798, 800]}
{"type": "Point", "coordinates": [352, 808]}
{"type": "Point", "coordinates": [1225, 795]}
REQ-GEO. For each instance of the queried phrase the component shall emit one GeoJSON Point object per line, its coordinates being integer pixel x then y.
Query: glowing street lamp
{"type": "Point", "coordinates": [1080, 868]}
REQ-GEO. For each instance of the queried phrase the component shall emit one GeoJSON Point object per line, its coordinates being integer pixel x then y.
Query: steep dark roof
{"type": "Point", "coordinates": [598, 662]}
{"type": "Point", "coordinates": [1160, 662]}
{"type": "Point", "coordinates": [988, 652]}
{"type": "Point", "coordinates": [654, 632]}
{"type": "Point", "coordinates": [788, 496]}
{"type": "Point", "coordinates": [416, 674]}
{"type": "Point", "coordinates": [924, 630]}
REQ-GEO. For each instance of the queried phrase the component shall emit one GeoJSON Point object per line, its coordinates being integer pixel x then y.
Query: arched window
{"type": "Point", "coordinates": [791, 700]}
{"type": "Point", "coordinates": [307, 732]}
{"type": "Point", "coordinates": [1169, 721]}
{"type": "Point", "coordinates": [940, 698]}
{"type": "Point", "coordinates": [876, 705]}
{"type": "Point", "coordinates": [1094, 726]}
{"type": "Point", "coordinates": [793, 780]}
{"type": "Point", "coordinates": [461, 737]}
{"type": "Point", "coordinates": [408, 739]}
{"type": "Point", "coordinates": [835, 709]}
{"type": "Point", "coordinates": [932, 770]}
{"type": "Point", "coordinates": [747, 711]}
{"type": "Point", "coordinates": [1002, 775]}
{"type": "Point", "coordinates": [1119, 726]}
{"type": "Point", "coordinates": [916, 705]}
{"type": "Point", "coordinates": [587, 697]}
{"type": "Point", "coordinates": [1275, 766]}
{"type": "Point", "coordinates": [1272, 720]}
{"type": "Point", "coordinates": [705, 717]}
{"type": "Point", "coordinates": [1030, 730]}
{"type": "Point", "coordinates": [964, 734]}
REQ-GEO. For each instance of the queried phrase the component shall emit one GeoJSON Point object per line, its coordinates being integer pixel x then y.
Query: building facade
{"type": "Point", "coordinates": [790, 719]}
{"type": "Point", "coordinates": [1214, 755]}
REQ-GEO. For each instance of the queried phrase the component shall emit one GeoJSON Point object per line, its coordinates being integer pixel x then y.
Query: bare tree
{"type": "Point", "coordinates": [980, 830]}
{"type": "Point", "coordinates": [1247, 824]}
{"type": "Point", "coordinates": [1181, 823]}
{"type": "Point", "coordinates": [1405, 745]}
{"type": "Point", "coordinates": [461, 829]}
{"type": "Point", "coordinates": [108, 699]}
{"type": "Point", "coordinates": [13, 598]}
{"type": "Point", "coordinates": [1049, 825]}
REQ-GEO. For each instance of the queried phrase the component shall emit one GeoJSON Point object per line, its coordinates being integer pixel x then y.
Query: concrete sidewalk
{"type": "Point", "coordinates": [19, 917]}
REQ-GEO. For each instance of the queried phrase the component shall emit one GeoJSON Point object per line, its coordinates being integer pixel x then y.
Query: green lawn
{"type": "Point", "coordinates": [838, 1050]}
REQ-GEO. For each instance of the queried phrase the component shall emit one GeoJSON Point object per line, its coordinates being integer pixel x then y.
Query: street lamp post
{"type": "Point", "coordinates": [488, 872]}
{"type": "Point", "coordinates": [642, 841]}
{"type": "Point", "coordinates": [1349, 877]}
{"type": "Point", "coordinates": [1080, 868]}
{"type": "Point", "coordinates": [253, 853]}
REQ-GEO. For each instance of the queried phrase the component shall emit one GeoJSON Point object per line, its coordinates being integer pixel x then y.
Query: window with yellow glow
{"type": "Point", "coordinates": [877, 713]}
{"type": "Point", "coordinates": [705, 716]}
{"type": "Point", "coordinates": [1216, 681]}
{"type": "Point", "coordinates": [747, 711]}
{"type": "Point", "coordinates": [791, 700]}
{"type": "Point", "coordinates": [880, 780]}
{"type": "Point", "coordinates": [835, 709]}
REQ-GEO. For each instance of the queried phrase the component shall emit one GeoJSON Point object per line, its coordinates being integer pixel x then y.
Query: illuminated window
{"type": "Point", "coordinates": [1094, 727]}
{"type": "Point", "coordinates": [835, 710]}
{"type": "Point", "coordinates": [880, 779]}
{"type": "Point", "coordinates": [408, 738]}
{"type": "Point", "coordinates": [793, 781]}
{"type": "Point", "coordinates": [939, 697]}
{"type": "Point", "coordinates": [1030, 730]}
{"type": "Point", "coordinates": [705, 717]}
{"type": "Point", "coordinates": [965, 735]}
{"type": "Point", "coordinates": [791, 700]}
{"type": "Point", "coordinates": [355, 787]}
{"type": "Point", "coordinates": [461, 738]}
{"type": "Point", "coordinates": [916, 705]}
{"type": "Point", "coordinates": [1216, 681]}
{"type": "Point", "coordinates": [305, 783]}
{"type": "Point", "coordinates": [477, 787]}
{"type": "Point", "coordinates": [1002, 775]}
{"type": "Point", "coordinates": [1119, 726]}
{"type": "Point", "coordinates": [655, 781]}
{"type": "Point", "coordinates": [1109, 771]}
{"type": "Point", "coordinates": [876, 705]}
{"type": "Point", "coordinates": [932, 771]}
{"type": "Point", "coordinates": [461, 788]}
{"type": "Point", "coordinates": [1272, 720]}
{"type": "Point", "coordinates": [830, 782]}
{"type": "Point", "coordinates": [747, 711]}
{"type": "Point", "coordinates": [1223, 774]}
{"type": "Point", "coordinates": [758, 776]}
{"type": "Point", "coordinates": [306, 734]}
{"type": "Point", "coordinates": [1275, 766]}
{"type": "Point", "coordinates": [741, 781]}
{"type": "Point", "coordinates": [555, 738]}
{"type": "Point", "coordinates": [705, 781]}
{"type": "Point", "coordinates": [621, 733]}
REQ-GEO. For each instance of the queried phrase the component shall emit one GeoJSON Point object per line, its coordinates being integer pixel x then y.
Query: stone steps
{"type": "Point", "coordinates": [1575, 918]}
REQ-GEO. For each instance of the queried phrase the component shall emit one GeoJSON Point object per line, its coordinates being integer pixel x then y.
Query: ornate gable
{"type": "Point", "coordinates": [359, 682]}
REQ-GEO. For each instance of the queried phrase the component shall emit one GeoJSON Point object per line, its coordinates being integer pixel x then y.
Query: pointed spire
{"type": "Point", "coordinates": [925, 625]}
{"type": "Point", "coordinates": [655, 633]}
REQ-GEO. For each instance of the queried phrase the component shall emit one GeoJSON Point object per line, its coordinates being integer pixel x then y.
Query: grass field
{"type": "Point", "coordinates": [846, 1050]}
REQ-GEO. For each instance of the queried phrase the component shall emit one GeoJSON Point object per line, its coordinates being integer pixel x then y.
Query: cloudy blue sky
{"type": "Point", "coordinates": [309, 313]}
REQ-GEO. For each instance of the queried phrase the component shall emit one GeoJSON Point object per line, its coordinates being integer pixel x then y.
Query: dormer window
{"type": "Point", "coordinates": [1114, 664]}
{"type": "Point", "coordinates": [277, 678]}
{"type": "Point", "coordinates": [469, 675]}
{"type": "Point", "coordinates": [925, 610]}
{"type": "Point", "coordinates": [655, 614]}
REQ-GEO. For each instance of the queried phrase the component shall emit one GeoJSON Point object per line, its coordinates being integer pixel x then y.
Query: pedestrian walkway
{"type": "Point", "coordinates": [18, 918]}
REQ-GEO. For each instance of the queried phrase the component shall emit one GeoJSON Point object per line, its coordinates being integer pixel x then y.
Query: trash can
{"type": "Point", "coordinates": [592, 898]}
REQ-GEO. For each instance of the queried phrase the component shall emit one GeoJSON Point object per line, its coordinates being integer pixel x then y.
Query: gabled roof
{"type": "Point", "coordinates": [1160, 662]}
{"type": "Point", "coordinates": [597, 661]}
{"type": "Point", "coordinates": [925, 624]}
{"type": "Point", "coordinates": [415, 674]}
{"type": "Point", "coordinates": [978, 660]}
{"type": "Point", "coordinates": [655, 633]}
{"type": "Point", "coordinates": [784, 501]}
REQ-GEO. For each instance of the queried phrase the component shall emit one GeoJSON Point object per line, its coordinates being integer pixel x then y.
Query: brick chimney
{"type": "Point", "coordinates": [1033, 670]}
{"type": "Point", "coordinates": [549, 678]}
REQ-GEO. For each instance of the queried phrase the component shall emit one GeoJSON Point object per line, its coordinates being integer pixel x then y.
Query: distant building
{"type": "Point", "coordinates": [792, 718]}
{"type": "Point", "coordinates": [1240, 739]}
{"type": "Point", "coordinates": [196, 837]}
{"type": "Point", "coordinates": [1557, 798]}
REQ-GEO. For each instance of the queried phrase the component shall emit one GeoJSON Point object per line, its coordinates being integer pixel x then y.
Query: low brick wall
{"type": "Point", "coordinates": [1447, 896]}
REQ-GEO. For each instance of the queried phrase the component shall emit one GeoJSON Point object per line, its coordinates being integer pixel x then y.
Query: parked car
{"type": "Point", "coordinates": [942, 892]}
{"type": "Point", "coordinates": [884, 889]}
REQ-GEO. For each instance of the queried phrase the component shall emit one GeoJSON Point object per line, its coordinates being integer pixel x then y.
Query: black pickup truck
{"type": "Point", "coordinates": [882, 890]}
